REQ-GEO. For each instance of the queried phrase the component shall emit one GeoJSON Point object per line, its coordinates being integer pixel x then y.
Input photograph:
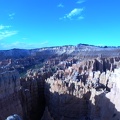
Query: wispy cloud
{"type": "Point", "coordinates": [2, 27]}
{"type": "Point", "coordinates": [23, 45]}
{"type": "Point", "coordinates": [44, 43]}
{"type": "Point", "coordinates": [11, 15]}
{"type": "Point", "coordinates": [80, 1]}
{"type": "Point", "coordinates": [60, 5]}
{"type": "Point", "coordinates": [11, 45]}
{"type": "Point", "coordinates": [80, 17]}
{"type": "Point", "coordinates": [5, 34]}
{"type": "Point", "coordinates": [76, 14]}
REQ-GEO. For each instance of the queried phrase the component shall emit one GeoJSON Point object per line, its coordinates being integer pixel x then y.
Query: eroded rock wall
{"type": "Point", "coordinates": [32, 94]}
{"type": "Point", "coordinates": [85, 90]}
{"type": "Point", "coordinates": [9, 94]}
{"type": "Point", "coordinates": [85, 93]}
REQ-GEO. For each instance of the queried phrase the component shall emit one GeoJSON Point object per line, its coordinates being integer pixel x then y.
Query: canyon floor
{"type": "Point", "coordinates": [79, 82]}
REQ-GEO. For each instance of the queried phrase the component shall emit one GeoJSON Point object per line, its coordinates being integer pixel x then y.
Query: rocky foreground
{"type": "Point", "coordinates": [65, 87]}
{"type": "Point", "coordinates": [81, 94]}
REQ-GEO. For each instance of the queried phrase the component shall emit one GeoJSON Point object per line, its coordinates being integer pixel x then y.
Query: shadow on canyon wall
{"type": "Point", "coordinates": [89, 107]}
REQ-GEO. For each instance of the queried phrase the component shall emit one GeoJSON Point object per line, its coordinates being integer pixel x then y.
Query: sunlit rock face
{"type": "Point", "coordinates": [9, 94]}
{"type": "Point", "coordinates": [79, 93]}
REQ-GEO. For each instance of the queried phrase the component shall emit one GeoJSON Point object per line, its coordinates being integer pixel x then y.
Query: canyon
{"type": "Point", "coordinates": [61, 83]}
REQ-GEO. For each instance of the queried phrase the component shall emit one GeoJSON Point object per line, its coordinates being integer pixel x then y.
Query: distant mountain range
{"type": "Point", "coordinates": [80, 49]}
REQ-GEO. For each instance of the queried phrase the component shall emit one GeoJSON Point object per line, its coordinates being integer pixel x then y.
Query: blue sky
{"type": "Point", "coordinates": [44, 23]}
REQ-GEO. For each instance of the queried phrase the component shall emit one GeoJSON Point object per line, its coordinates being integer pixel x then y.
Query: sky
{"type": "Point", "coordinates": [31, 24]}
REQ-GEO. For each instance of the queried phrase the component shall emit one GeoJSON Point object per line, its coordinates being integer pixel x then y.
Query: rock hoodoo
{"type": "Point", "coordinates": [84, 95]}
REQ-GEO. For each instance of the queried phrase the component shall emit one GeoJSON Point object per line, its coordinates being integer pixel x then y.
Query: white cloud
{"type": "Point", "coordinates": [5, 34]}
{"type": "Point", "coordinates": [4, 27]}
{"type": "Point", "coordinates": [60, 5]}
{"type": "Point", "coordinates": [11, 15]}
{"type": "Point", "coordinates": [74, 14]}
{"type": "Point", "coordinates": [80, 1]}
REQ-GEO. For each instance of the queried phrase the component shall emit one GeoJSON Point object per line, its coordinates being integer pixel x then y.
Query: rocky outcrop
{"type": "Point", "coordinates": [89, 106]}
{"type": "Point", "coordinates": [9, 94]}
{"type": "Point", "coordinates": [80, 93]}
{"type": "Point", "coordinates": [32, 94]}
{"type": "Point", "coordinates": [69, 89]}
